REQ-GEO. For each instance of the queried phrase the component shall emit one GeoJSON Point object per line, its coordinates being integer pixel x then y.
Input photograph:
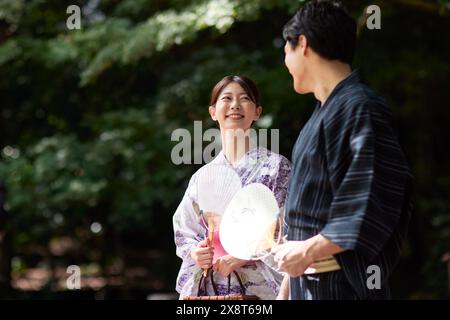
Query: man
{"type": "Point", "coordinates": [349, 195]}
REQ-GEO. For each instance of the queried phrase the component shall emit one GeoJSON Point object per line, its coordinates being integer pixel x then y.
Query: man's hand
{"type": "Point", "coordinates": [203, 254]}
{"type": "Point", "coordinates": [227, 264]}
{"type": "Point", "coordinates": [292, 257]}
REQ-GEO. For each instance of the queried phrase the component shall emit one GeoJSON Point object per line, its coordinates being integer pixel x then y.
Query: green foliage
{"type": "Point", "coordinates": [63, 175]}
{"type": "Point", "coordinates": [11, 12]}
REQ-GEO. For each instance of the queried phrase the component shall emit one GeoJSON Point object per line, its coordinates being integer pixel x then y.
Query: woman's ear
{"type": "Point", "coordinates": [258, 111]}
{"type": "Point", "coordinates": [212, 112]}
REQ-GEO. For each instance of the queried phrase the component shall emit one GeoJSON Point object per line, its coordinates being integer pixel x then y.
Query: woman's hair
{"type": "Point", "coordinates": [248, 85]}
{"type": "Point", "coordinates": [328, 27]}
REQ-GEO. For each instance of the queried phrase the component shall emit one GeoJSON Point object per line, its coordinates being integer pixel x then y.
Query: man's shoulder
{"type": "Point", "coordinates": [355, 98]}
{"type": "Point", "coordinates": [358, 94]}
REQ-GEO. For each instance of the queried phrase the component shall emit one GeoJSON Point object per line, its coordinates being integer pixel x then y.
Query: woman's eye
{"type": "Point", "coordinates": [245, 98]}
{"type": "Point", "coordinates": [226, 98]}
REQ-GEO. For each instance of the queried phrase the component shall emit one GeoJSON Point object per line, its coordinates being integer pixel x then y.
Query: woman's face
{"type": "Point", "coordinates": [234, 109]}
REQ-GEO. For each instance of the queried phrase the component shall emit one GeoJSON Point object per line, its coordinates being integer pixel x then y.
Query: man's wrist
{"type": "Point", "coordinates": [319, 247]}
{"type": "Point", "coordinates": [311, 252]}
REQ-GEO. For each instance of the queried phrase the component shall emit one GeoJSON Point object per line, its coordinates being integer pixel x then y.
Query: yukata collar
{"type": "Point", "coordinates": [350, 79]}
{"type": "Point", "coordinates": [250, 155]}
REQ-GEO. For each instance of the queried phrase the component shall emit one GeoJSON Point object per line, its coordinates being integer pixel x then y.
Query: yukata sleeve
{"type": "Point", "coordinates": [187, 229]}
{"type": "Point", "coordinates": [188, 232]}
{"type": "Point", "coordinates": [281, 181]}
{"type": "Point", "coordinates": [368, 175]}
{"type": "Point", "coordinates": [279, 188]}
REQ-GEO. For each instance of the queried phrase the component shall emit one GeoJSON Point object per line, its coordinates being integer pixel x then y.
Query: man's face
{"type": "Point", "coordinates": [295, 62]}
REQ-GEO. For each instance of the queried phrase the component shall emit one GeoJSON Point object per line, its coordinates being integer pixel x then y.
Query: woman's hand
{"type": "Point", "coordinates": [227, 264]}
{"type": "Point", "coordinates": [203, 254]}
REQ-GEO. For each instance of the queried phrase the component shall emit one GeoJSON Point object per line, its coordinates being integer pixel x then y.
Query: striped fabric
{"type": "Point", "coordinates": [351, 183]}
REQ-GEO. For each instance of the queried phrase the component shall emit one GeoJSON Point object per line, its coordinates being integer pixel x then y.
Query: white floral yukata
{"type": "Point", "coordinates": [260, 278]}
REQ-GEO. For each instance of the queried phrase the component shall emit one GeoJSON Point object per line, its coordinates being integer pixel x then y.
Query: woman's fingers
{"type": "Point", "coordinates": [203, 254]}
{"type": "Point", "coordinates": [206, 265]}
{"type": "Point", "coordinates": [202, 251]}
{"type": "Point", "coordinates": [224, 271]}
{"type": "Point", "coordinates": [222, 267]}
{"type": "Point", "coordinates": [205, 251]}
{"type": "Point", "coordinates": [203, 243]}
{"type": "Point", "coordinates": [205, 261]}
{"type": "Point", "coordinates": [205, 257]}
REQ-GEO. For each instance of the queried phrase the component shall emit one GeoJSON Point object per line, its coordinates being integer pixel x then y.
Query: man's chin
{"type": "Point", "coordinates": [300, 90]}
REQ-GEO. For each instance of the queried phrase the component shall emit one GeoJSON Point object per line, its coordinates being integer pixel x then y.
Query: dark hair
{"type": "Point", "coordinates": [248, 85]}
{"type": "Point", "coordinates": [328, 27]}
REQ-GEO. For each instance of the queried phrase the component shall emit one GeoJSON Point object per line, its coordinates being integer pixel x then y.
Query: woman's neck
{"type": "Point", "coordinates": [235, 144]}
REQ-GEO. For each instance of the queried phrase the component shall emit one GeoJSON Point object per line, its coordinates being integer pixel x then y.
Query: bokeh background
{"type": "Point", "coordinates": [86, 118]}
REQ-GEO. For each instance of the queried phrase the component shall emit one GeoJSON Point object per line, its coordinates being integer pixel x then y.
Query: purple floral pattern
{"type": "Point", "coordinates": [257, 165]}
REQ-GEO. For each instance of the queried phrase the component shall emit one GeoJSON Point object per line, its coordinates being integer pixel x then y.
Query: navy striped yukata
{"type": "Point", "coordinates": [351, 183]}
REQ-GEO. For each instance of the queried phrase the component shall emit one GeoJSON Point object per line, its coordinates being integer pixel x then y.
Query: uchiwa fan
{"type": "Point", "coordinates": [249, 227]}
{"type": "Point", "coordinates": [216, 186]}
{"type": "Point", "coordinates": [250, 221]}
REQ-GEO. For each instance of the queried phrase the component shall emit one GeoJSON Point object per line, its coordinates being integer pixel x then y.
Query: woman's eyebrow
{"type": "Point", "coordinates": [240, 93]}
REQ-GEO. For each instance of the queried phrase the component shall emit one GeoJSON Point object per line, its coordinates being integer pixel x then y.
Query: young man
{"type": "Point", "coordinates": [349, 196]}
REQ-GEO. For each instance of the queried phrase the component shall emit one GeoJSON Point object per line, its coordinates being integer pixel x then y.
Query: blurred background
{"type": "Point", "coordinates": [86, 118]}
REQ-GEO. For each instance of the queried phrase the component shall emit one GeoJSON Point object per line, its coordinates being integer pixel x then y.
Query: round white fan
{"type": "Point", "coordinates": [216, 186]}
{"type": "Point", "coordinates": [248, 226]}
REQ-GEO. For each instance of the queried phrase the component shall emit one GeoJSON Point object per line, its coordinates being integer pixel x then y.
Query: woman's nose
{"type": "Point", "coordinates": [235, 104]}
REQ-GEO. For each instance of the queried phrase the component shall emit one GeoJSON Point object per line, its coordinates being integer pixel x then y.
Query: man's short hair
{"type": "Point", "coordinates": [328, 28]}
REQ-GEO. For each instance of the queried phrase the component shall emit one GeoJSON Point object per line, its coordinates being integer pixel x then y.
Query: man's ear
{"type": "Point", "coordinates": [258, 111]}
{"type": "Point", "coordinates": [212, 112]}
{"type": "Point", "coordinates": [302, 43]}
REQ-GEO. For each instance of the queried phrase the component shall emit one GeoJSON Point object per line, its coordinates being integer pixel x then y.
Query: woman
{"type": "Point", "coordinates": [235, 106]}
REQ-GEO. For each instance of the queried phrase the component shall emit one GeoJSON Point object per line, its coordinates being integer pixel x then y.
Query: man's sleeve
{"type": "Point", "coordinates": [368, 176]}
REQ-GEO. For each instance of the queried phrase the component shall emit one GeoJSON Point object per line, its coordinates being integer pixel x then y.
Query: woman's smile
{"type": "Point", "coordinates": [235, 116]}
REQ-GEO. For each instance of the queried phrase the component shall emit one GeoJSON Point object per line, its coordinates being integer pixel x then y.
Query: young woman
{"type": "Point", "coordinates": [235, 106]}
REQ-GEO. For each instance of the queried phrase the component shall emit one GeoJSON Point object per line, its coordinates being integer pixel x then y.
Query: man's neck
{"type": "Point", "coordinates": [327, 77]}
